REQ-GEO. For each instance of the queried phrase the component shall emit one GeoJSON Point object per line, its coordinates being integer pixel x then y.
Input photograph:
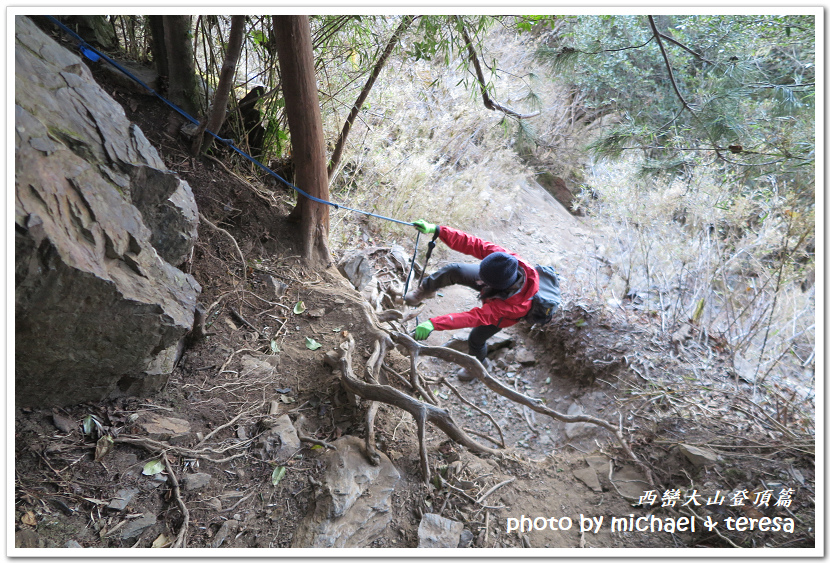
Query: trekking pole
{"type": "Point", "coordinates": [430, 246]}
{"type": "Point", "coordinates": [412, 264]}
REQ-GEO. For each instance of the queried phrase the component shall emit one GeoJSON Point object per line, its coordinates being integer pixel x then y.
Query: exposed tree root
{"type": "Point", "coordinates": [425, 408]}
{"type": "Point", "coordinates": [474, 367]}
{"type": "Point", "coordinates": [181, 537]}
{"type": "Point", "coordinates": [421, 411]}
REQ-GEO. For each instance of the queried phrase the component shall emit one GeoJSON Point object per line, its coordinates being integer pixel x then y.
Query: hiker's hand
{"type": "Point", "coordinates": [423, 330]}
{"type": "Point", "coordinates": [424, 227]}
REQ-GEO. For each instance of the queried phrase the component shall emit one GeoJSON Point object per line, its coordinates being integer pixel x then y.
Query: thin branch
{"type": "Point", "coordinates": [364, 93]}
{"type": "Point", "coordinates": [181, 537]}
{"type": "Point", "coordinates": [488, 102]}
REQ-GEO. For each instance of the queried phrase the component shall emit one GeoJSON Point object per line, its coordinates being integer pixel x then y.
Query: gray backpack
{"type": "Point", "coordinates": [547, 299]}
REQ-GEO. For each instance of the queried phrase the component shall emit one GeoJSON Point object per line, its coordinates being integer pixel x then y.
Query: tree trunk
{"type": "Point", "coordinates": [182, 85]}
{"type": "Point", "coordinates": [158, 48]}
{"type": "Point", "coordinates": [305, 122]}
{"type": "Point", "coordinates": [344, 134]}
{"type": "Point", "coordinates": [218, 108]}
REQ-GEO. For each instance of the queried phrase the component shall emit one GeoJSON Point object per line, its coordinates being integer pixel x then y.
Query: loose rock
{"type": "Point", "coordinates": [122, 499]}
{"type": "Point", "coordinates": [164, 428]}
{"type": "Point", "coordinates": [437, 531]}
{"type": "Point", "coordinates": [194, 481]}
{"type": "Point", "coordinates": [352, 507]}
{"type": "Point", "coordinates": [136, 527]}
{"type": "Point", "coordinates": [589, 477]}
{"type": "Point", "coordinates": [698, 456]}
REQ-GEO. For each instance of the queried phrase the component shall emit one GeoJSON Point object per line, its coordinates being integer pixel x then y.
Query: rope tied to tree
{"type": "Point", "coordinates": [93, 54]}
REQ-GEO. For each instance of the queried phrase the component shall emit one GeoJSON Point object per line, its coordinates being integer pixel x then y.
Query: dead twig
{"type": "Point", "coordinates": [181, 537]}
{"type": "Point", "coordinates": [494, 488]}
{"type": "Point", "coordinates": [241, 256]}
{"type": "Point", "coordinates": [298, 426]}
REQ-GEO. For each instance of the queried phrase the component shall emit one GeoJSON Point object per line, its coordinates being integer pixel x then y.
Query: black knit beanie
{"type": "Point", "coordinates": [499, 270]}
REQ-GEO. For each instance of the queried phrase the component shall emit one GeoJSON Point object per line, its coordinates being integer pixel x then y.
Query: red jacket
{"type": "Point", "coordinates": [498, 312]}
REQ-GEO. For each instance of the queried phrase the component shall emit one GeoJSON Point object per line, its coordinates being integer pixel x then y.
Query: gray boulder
{"type": "Point", "coordinates": [100, 308]}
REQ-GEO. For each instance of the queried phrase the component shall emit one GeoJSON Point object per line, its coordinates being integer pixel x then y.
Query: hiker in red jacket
{"type": "Point", "coordinates": [506, 285]}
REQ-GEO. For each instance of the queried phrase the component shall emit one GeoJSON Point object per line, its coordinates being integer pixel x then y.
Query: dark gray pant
{"type": "Point", "coordinates": [456, 273]}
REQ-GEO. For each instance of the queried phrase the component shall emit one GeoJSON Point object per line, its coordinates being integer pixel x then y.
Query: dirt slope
{"type": "Point", "coordinates": [581, 362]}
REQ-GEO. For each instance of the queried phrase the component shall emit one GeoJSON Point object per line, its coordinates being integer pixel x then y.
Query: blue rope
{"type": "Point", "coordinates": [94, 55]}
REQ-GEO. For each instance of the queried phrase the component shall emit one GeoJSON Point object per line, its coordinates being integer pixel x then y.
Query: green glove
{"type": "Point", "coordinates": [423, 330]}
{"type": "Point", "coordinates": [424, 227]}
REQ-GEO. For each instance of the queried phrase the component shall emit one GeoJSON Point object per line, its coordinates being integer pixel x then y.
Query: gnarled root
{"type": "Point", "coordinates": [422, 412]}
{"type": "Point", "coordinates": [474, 367]}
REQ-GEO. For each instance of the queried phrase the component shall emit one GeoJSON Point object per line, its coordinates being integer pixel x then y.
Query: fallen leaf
{"type": "Point", "coordinates": [103, 447]}
{"type": "Point", "coordinates": [274, 347]}
{"type": "Point", "coordinates": [89, 424]}
{"type": "Point", "coordinates": [161, 541]}
{"type": "Point", "coordinates": [312, 344]}
{"type": "Point", "coordinates": [299, 308]}
{"type": "Point", "coordinates": [277, 475]}
{"type": "Point", "coordinates": [29, 519]}
{"type": "Point", "coordinates": [153, 467]}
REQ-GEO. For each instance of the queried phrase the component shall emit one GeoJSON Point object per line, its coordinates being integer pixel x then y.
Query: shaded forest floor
{"type": "Point", "coordinates": [667, 393]}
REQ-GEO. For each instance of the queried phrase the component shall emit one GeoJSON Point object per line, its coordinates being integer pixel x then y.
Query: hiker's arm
{"type": "Point", "coordinates": [467, 243]}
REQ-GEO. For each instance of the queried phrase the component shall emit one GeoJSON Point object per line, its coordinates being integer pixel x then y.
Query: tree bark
{"type": "Point", "coordinates": [344, 134]}
{"type": "Point", "coordinates": [158, 48]}
{"type": "Point", "coordinates": [216, 116]}
{"type": "Point", "coordinates": [305, 122]}
{"type": "Point", "coordinates": [182, 86]}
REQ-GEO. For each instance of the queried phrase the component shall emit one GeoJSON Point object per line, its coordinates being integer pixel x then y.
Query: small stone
{"type": "Point", "coordinates": [698, 456]}
{"type": "Point", "coordinates": [194, 481]}
{"type": "Point", "coordinates": [525, 357]}
{"type": "Point", "coordinates": [63, 422]}
{"type": "Point", "coordinates": [466, 539]}
{"type": "Point", "coordinates": [215, 503]}
{"type": "Point", "coordinates": [27, 539]}
{"type": "Point", "coordinates": [73, 544]}
{"type": "Point", "coordinates": [437, 531]}
{"type": "Point", "coordinates": [122, 499]}
{"type": "Point", "coordinates": [164, 428]}
{"type": "Point", "coordinates": [136, 527]}
{"type": "Point", "coordinates": [589, 477]}
{"type": "Point", "coordinates": [228, 527]}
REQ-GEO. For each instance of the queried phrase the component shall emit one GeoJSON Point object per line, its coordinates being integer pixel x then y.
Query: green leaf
{"type": "Point", "coordinates": [338, 329]}
{"type": "Point", "coordinates": [277, 475]}
{"type": "Point", "coordinates": [274, 347]}
{"type": "Point", "coordinates": [153, 467]}
{"type": "Point", "coordinates": [581, 322]}
{"type": "Point", "coordinates": [89, 424]}
{"type": "Point", "coordinates": [312, 344]}
{"type": "Point", "coordinates": [316, 447]}
{"type": "Point", "coordinates": [299, 308]}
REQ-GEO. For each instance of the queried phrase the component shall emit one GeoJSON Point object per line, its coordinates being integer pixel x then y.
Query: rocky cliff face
{"type": "Point", "coordinates": [100, 224]}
